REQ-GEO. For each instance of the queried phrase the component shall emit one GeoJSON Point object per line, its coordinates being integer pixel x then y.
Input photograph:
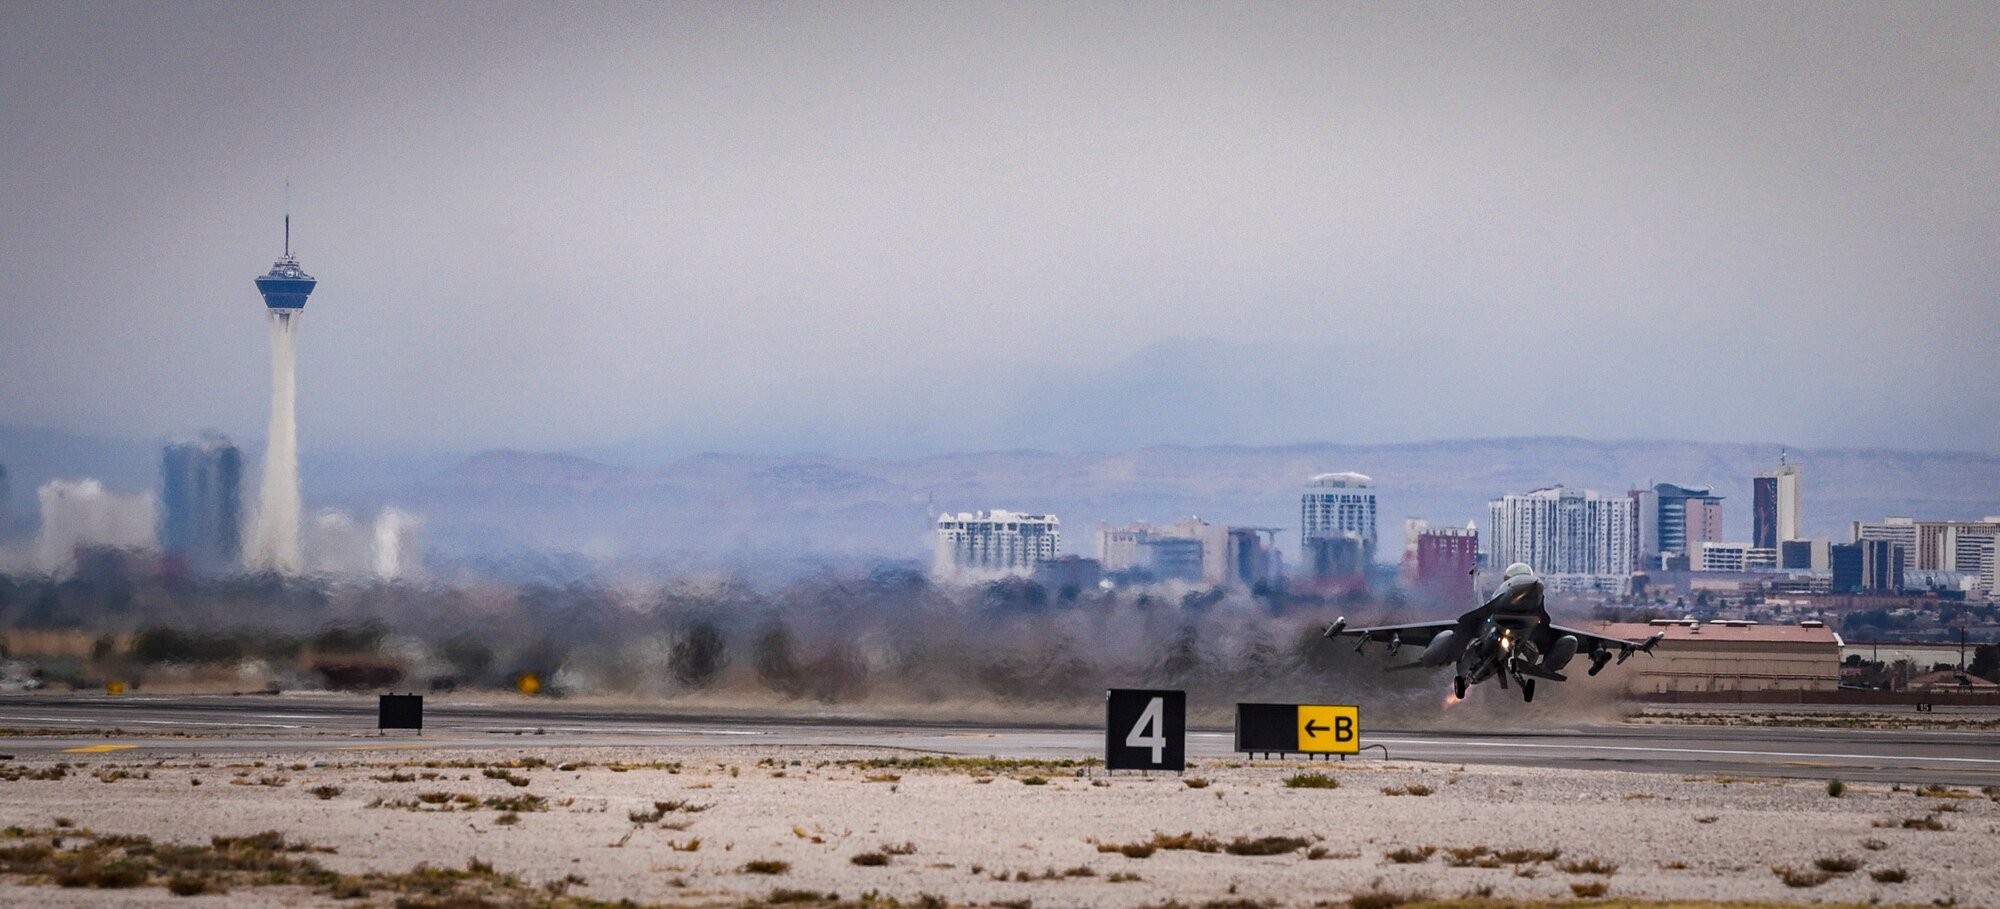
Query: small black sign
{"type": "Point", "coordinates": [1145, 730]}
{"type": "Point", "coordinates": [1267, 728]}
{"type": "Point", "coordinates": [401, 711]}
{"type": "Point", "coordinates": [1923, 707]}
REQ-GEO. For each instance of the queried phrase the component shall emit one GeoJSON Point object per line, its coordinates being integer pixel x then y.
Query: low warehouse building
{"type": "Point", "coordinates": [1731, 656]}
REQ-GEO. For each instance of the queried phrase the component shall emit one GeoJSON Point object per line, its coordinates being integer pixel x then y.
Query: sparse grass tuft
{"type": "Point", "coordinates": [1266, 845]}
{"type": "Point", "coordinates": [870, 860]}
{"type": "Point", "coordinates": [1889, 875]}
{"type": "Point", "coordinates": [1412, 789]}
{"type": "Point", "coordinates": [1837, 864]}
{"type": "Point", "coordinates": [188, 885]}
{"type": "Point", "coordinates": [1835, 788]}
{"type": "Point", "coordinates": [1411, 855]}
{"type": "Point", "coordinates": [1129, 850]}
{"type": "Point", "coordinates": [765, 866]}
{"type": "Point", "coordinates": [1936, 791]}
{"type": "Point", "coordinates": [1800, 877]}
{"type": "Point", "coordinates": [1589, 866]}
{"type": "Point", "coordinates": [1527, 856]}
{"type": "Point", "coordinates": [1034, 781]}
{"type": "Point", "coordinates": [325, 792]}
{"type": "Point", "coordinates": [1196, 782]}
{"type": "Point", "coordinates": [784, 895]}
{"type": "Point", "coordinates": [507, 775]}
{"type": "Point", "coordinates": [1385, 899]}
{"type": "Point", "coordinates": [1874, 845]}
{"type": "Point", "coordinates": [1311, 779]}
{"type": "Point", "coordinates": [1589, 890]}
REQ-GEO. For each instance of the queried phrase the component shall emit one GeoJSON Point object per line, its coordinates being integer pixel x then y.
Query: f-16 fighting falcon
{"type": "Point", "coordinates": [1508, 637]}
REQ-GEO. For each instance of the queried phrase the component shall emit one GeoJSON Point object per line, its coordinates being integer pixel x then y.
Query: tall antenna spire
{"type": "Point", "coordinates": [288, 216]}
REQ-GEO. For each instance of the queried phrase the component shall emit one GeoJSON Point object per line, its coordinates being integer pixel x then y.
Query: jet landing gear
{"type": "Point", "coordinates": [1527, 690]}
{"type": "Point", "coordinates": [1458, 687]}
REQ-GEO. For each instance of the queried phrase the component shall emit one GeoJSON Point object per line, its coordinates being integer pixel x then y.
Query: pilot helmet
{"type": "Point", "coordinates": [1516, 570]}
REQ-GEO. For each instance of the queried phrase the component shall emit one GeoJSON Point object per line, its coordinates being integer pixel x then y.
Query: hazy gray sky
{"type": "Point", "coordinates": [882, 229]}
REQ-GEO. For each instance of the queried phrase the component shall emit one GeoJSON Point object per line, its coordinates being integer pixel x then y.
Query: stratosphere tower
{"type": "Point", "coordinates": [274, 544]}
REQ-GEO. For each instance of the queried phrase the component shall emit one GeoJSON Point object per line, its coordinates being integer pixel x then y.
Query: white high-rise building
{"type": "Point", "coordinates": [1339, 506]}
{"type": "Point", "coordinates": [1000, 542]}
{"type": "Point", "coordinates": [1574, 538]}
{"type": "Point", "coordinates": [83, 514]}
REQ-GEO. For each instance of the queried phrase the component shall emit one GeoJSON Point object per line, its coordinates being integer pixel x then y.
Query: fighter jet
{"type": "Point", "coordinates": [1510, 637]}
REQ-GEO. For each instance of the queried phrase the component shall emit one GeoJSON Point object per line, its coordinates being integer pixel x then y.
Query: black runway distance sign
{"type": "Point", "coordinates": [1145, 730]}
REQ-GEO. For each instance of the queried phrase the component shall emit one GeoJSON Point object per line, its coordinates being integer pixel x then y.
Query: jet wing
{"type": "Point", "coordinates": [1592, 641]}
{"type": "Point", "coordinates": [1419, 633]}
{"type": "Point", "coordinates": [1600, 647]}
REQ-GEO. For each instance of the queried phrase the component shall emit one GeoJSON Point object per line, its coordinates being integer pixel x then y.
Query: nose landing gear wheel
{"type": "Point", "coordinates": [1527, 690]}
{"type": "Point", "coordinates": [1458, 687]}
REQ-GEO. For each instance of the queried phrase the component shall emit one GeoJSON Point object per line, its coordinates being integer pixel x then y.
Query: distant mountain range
{"type": "Point", "coordinates": [745, 509]}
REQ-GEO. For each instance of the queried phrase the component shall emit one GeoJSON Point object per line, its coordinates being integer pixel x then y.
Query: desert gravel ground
{"type": "Point", "coordinates": [973, 833]}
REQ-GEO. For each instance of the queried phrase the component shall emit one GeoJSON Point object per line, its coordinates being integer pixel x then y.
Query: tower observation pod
{"type": "Point", "coordinates": [274, 544]}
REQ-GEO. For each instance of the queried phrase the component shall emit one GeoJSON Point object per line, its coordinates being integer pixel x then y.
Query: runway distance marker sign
{"type": "Point", "coordinates": [1145, 729]}
{"type": "Point", "coordinates": [1298, 728]}
{"type": "Point", "coordinates": [400, 711]}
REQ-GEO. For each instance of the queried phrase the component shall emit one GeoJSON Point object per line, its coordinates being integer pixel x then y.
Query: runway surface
{"type": "Point", "coordinates": [164, 726]}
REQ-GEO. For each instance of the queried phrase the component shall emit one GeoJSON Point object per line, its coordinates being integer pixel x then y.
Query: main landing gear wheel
{"type": "Point", "coordinates": [1458, 687]}
{"type": "Point", "coordinates": [1527, 690]}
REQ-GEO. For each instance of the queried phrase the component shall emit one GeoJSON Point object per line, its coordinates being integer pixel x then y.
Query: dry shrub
{"type": "Point", "coordinates": [1411, 855]}
{"type": "Point", "coordinates": [1800, 877]}
{"type": "Point", "coordinates": [1589, 866]}
{"type": "Point", "coordinates": [1385, 899]}
{"type": "Point", "coordinates": [1265, 845]}
{"type": "Point", "coordinates": [1590, 890]}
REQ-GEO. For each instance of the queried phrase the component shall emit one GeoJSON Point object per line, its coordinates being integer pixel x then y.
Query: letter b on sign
{"type": "Point", "coordinates": [1145, 729]}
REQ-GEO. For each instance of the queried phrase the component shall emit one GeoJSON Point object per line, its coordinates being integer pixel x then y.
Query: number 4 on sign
{"type": "Point", "coordinates": [1153, 718]}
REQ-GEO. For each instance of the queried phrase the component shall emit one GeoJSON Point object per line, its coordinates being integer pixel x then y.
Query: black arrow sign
{"type": "Point", "coordinates": [1313, 729]}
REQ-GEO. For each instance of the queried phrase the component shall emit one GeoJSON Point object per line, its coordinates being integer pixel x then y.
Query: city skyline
{"type": "Point", "coordinates": [663, 229]}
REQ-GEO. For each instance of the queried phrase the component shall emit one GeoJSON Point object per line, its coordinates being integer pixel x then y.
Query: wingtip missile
{"type": "Point", "coordinates": [1625, 652]}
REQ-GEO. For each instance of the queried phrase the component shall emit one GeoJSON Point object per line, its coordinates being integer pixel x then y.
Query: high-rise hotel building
{"type": "Point", "coordinates": [1574, 538]}
{"type": "Point", "coordinates": [998, 542]}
